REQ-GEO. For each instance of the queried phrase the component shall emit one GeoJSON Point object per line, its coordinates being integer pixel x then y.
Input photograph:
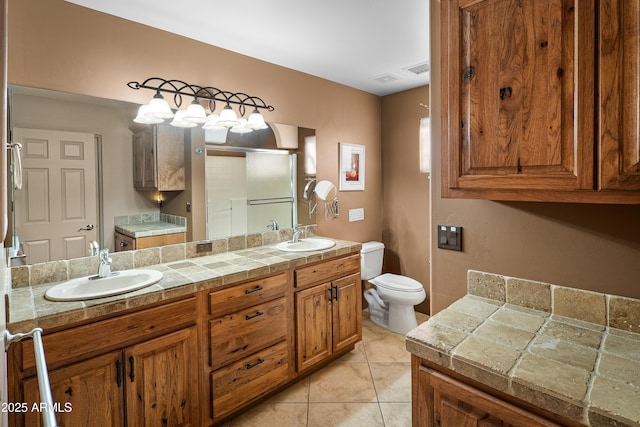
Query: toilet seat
{"type": "Point", "coordinates": [396, 282]}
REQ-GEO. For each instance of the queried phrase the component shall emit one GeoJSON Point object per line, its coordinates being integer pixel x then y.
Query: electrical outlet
{"type": "Point", "coordinates": [356, 214]}
{"type": "Point", "coordinates": [450, 237]}
{"type": "Point", "coordinates": [204, 247]}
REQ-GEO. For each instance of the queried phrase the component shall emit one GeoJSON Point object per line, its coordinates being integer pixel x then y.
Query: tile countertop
{"type": "Point", "coordinates": [584, 371]}
{"type": "Point", "coordinates": [28, 308]}
{"type": "Point", "coordinates": [150, 224]}
{"type": "Point", "coordinates": [146, 229]}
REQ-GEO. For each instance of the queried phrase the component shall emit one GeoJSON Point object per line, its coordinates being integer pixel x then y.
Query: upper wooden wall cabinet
{"type": "Point", "coordinates": [158, 158]}
{"type": "Point", "coordinates": [540, 100]}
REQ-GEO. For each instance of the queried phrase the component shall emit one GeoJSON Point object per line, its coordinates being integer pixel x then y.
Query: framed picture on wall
{"type": "Point", "coordinates": [351, 167]}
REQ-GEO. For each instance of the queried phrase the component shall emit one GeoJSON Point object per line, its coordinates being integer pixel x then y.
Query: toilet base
{"type": "Point", "coordinates": [399, 321]}
{"type": "Point", "coordinates": [402, 318]}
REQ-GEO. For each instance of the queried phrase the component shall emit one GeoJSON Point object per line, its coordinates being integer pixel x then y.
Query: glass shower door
{"type": "Point", "coordinates": [270, 195]}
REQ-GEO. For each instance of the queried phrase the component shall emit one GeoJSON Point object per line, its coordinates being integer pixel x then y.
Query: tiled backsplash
{"type": "Point", "coordinates": [602, 309]}
{"type": "Point", "coordinates": [56, 271]}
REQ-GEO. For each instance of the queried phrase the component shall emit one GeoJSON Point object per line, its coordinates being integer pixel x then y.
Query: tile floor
{"type": "Point", "coordinates": [370, 386]}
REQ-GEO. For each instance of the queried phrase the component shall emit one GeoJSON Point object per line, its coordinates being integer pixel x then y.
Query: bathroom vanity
{"type": "Point", "coordinates": [218, 333]}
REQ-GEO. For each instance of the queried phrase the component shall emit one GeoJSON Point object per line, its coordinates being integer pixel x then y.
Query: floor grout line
{"type": "Point", "coordinates": [375, 341]}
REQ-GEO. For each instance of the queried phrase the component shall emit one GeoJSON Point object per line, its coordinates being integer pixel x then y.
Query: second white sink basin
{"type": "Point", "coordinates": [90, 287]}
{"type": "Point", "coordinates": [305, 245]}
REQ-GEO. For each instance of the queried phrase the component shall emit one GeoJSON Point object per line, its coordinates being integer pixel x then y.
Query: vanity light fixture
{"type": "Point", "coordinates": [195, 114]}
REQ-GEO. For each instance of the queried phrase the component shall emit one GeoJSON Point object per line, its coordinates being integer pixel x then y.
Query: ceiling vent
{"type": "Point", "coordinates": [386, 78]}
{"type": "Point", "coordinates": [425, 67]}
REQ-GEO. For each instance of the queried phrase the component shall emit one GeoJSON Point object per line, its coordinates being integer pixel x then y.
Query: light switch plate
{"type": "Point", "coordinates": [450, 237]}
{"type": "Point", "coordinates": [356, 214]}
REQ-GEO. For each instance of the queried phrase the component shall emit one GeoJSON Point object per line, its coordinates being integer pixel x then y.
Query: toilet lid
{"type": "Point", "coordinates": [397, 282]}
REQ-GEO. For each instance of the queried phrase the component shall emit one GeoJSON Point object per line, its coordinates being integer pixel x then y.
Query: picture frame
{"type": "Point", "coordinates": [352, 167]}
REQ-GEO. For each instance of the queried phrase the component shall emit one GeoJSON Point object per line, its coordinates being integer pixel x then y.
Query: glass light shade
{"type": "Point", "coordinates": [242, 127]}
{"type": "Point", "coordinates": [159, 108]}
{"type": "Point", "coordinates": [180, 122]}
{"type": "Point", "coordinates": [310, 155]}
{"type": "Point", "coordinates": [256, 121]}
{"type": "Point", "coordinates": [195, 113]}
{"type": "Point", "coordinates": [144, 118]}
{"type": "Point", "coordinates": [212, 122]}
{"type": "Point", "coordinates": [425, 145]}
{"type": "Point", "coordinates": [228, 117]}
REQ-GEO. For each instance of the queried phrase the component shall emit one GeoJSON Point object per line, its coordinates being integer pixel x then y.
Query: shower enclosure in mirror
{"type": "Point", "coordinates": [107, 181]}
{"type": "Point", "coordinates": [249, 192]}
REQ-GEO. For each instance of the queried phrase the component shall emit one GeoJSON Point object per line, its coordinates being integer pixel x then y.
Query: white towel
{"type": "Point", "coordinates": [16, 148]}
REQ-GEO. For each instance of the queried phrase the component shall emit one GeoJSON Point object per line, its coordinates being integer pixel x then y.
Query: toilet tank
{"type": "Point", "coordinates": [371, 256]}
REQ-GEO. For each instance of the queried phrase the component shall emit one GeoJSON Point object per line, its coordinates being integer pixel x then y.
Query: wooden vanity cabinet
{"type": "Point", "coordinates": [137, 369]}
{"type": "Point", "coordinates": [439, 400]}
{"type": "Point", "coordinates": [520, 103]}
{"type": "Point", "coordinates": [158, 157]}
{"type": "Point", "coordinates": [249, 342]}
{"type": "Point", "coordinates": [328, 308]}
{"type": "Point", "coordinates": [199, 360]}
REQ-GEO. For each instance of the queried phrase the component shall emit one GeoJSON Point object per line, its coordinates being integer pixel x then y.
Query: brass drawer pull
{"type": "Point", "coordinates": [251, 316]}
{"type": "Point", "coordinates": [254, 364]}
{"type": "Point", "coordinates": [256, 289]}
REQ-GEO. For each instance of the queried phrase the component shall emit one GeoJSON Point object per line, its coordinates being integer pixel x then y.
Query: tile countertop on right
{"type": "Point", "coordinates": [572, 352]}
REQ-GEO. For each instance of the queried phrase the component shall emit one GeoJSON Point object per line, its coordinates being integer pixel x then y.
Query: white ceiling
{"type": "Point", "coordinates": [365, 44]}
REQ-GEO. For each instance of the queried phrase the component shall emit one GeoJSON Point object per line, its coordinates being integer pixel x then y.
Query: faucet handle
{"type": "Point", "coordinates": [104, 256]}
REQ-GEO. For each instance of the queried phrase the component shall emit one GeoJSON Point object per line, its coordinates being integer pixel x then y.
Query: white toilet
{"type": "Point", "coordinates": [391, 302]}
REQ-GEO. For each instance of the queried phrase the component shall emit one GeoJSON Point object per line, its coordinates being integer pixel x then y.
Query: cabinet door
{"type": "Point", "coordinates": [89, 390]}
{"type": "Point", "coordinates": [518, 99]}
{"type": "Point", "coordinates": [169, 158]}
{"type": "Point", "coordinates": [347, 312]}
{"type": "Point", "coordinates": [313, 325]}
{"type": "Point", "coordinates": [144, 164]}
{"type": "Point", "coordinates": [161, 382]}
{"type": "Point", "coordinates": [619, 28]}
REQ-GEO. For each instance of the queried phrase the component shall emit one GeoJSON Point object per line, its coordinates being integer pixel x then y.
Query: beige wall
{"type": "Point", "coordinates": [593, 247]}
{"type": "Point", "coordinates": [57, 45]}
{"type": "Point", "coordinates": [405, 217]}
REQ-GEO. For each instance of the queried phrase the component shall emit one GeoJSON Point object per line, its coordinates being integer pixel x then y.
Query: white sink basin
{"type": "Point", "coordinates": [90, 287]}
{"type": "Point", "coordinates": [305, 245]}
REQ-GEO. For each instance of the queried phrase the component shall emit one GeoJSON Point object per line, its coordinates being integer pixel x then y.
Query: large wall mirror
{"type": "Point", "coordinates": [74, 177]}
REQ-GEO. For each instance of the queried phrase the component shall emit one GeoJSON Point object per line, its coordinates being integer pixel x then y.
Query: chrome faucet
{"type": "Point", "coordinates": [297, 231]}
{"type": "Point", "coordinates": [273, 226]}
{"type": "Point", "coordinates": [104, 269]}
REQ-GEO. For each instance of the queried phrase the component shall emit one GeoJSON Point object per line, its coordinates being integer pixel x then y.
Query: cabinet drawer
{"type": "Point", "coordinates": [327, 270]}
{"type": "Point", "coordinates": [246, 379]}
{"type": "Point", "coordinates": [88, 340]}
{"type": "Point", "coordinates": [247, 294]}
{"type": "Point", "coordinates": [239, 334]}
